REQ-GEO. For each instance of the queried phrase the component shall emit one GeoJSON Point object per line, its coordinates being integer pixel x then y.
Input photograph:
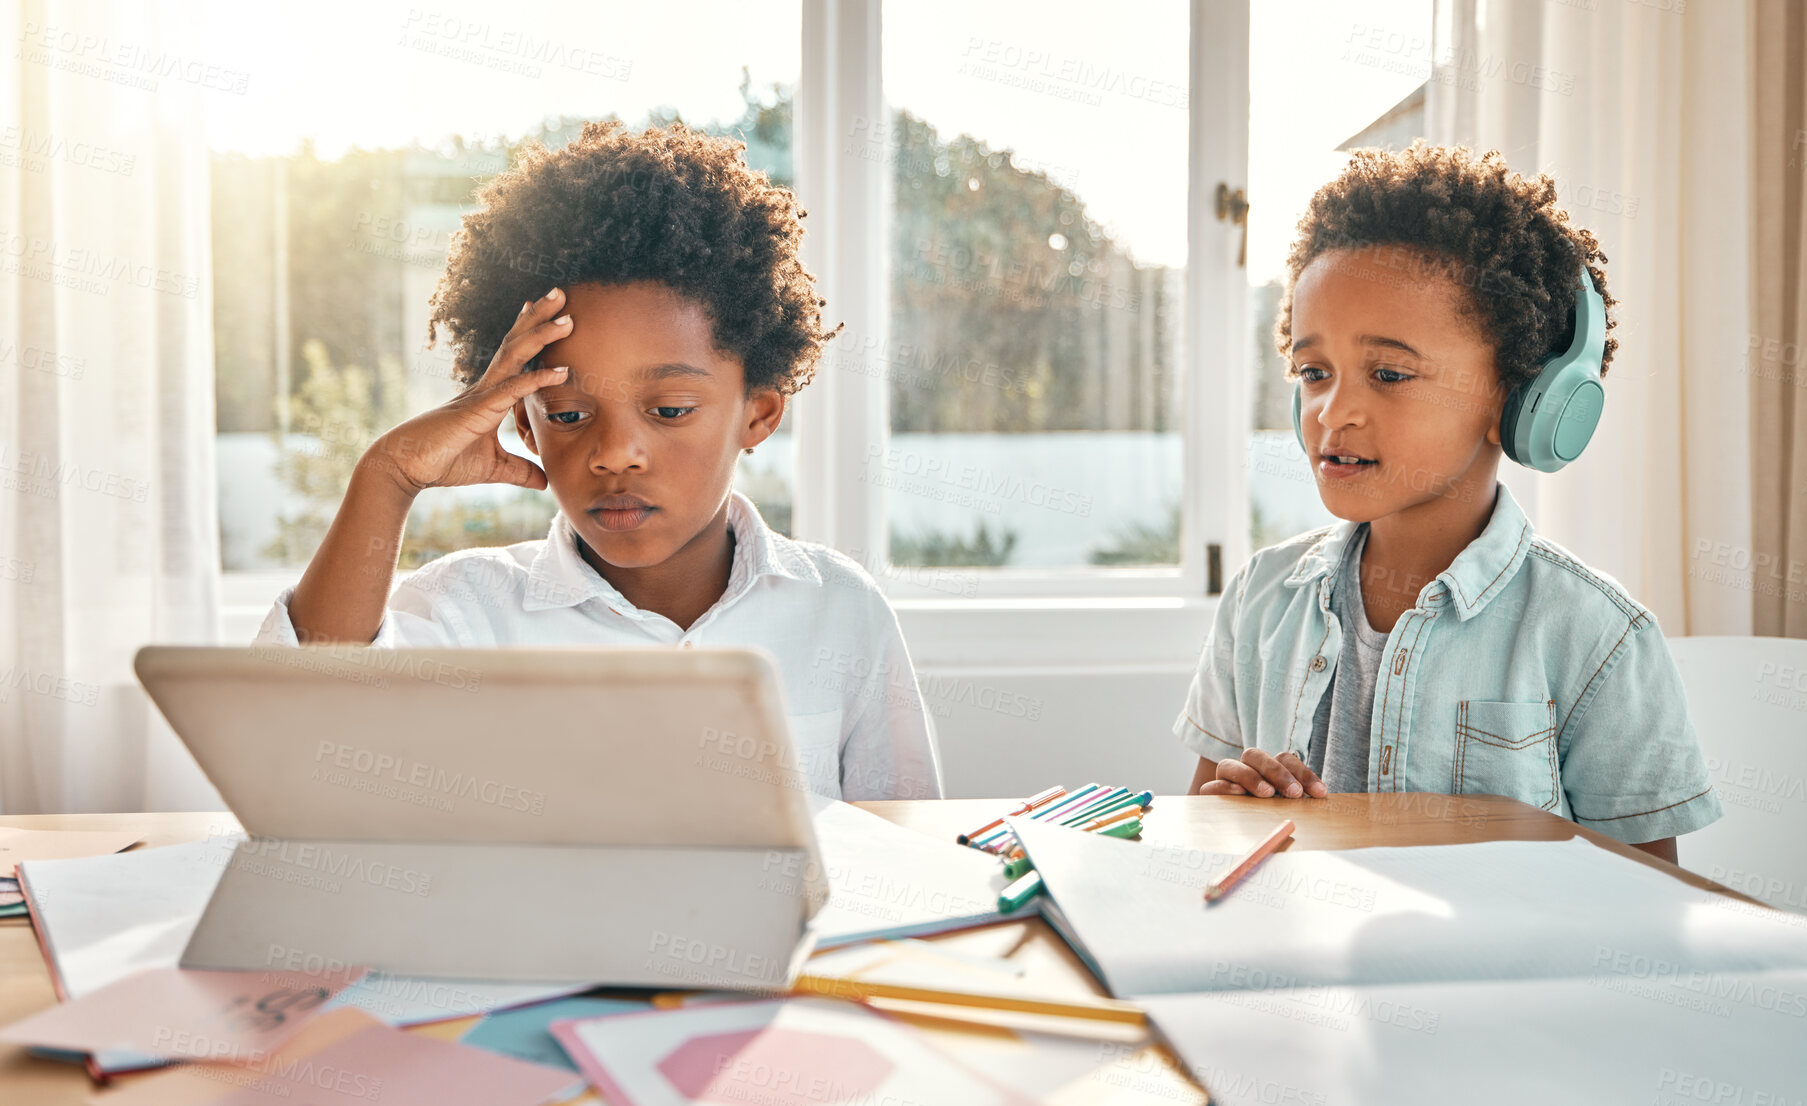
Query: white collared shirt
{"type": "Point", "coordinates": [855, 710]}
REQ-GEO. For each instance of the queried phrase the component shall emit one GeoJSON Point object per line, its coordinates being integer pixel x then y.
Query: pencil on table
{"type": "Point", "coordinates": [1229, 879]}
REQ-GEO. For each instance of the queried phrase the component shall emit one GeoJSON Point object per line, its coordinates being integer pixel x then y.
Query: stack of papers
{"type": "Point", "coordinates": [178, 1015]}
{"type": "Point", "coordinates": [266, 1038]}
{"type": "Point", "coordinates": [100, 919]}
{"type": "Point", "coordinates": [1319, 966]}
{"type": "Point", "coordinates": [23, 844]}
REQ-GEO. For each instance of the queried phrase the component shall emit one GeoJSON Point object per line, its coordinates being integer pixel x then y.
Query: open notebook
{"type": "Point", "coordinates": [1345, 952]}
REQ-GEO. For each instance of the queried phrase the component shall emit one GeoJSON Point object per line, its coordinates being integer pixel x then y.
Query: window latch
{"type": "Point", "coordinates": [1234, 206]}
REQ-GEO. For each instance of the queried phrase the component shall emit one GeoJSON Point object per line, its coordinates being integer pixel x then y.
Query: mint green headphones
{"type": "Point", "coordinates": [1548, 421]}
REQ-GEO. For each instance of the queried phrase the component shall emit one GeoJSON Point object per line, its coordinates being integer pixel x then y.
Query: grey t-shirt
{"type": "Point", "coordinates": [1342, 727]}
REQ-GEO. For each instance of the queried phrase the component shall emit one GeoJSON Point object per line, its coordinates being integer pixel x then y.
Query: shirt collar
{"type": "Point", "coordinates": [560, 577]}
{"type": "Point", "coordinates": [1478, 574]}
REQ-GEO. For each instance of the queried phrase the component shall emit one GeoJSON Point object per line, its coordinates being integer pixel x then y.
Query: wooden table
{"type": "Point", "coordinates": [1221, 823]}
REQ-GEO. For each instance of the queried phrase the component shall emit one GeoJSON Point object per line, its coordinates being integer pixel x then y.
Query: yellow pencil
{"type": "Point", "coordinates": [1102, 1009]}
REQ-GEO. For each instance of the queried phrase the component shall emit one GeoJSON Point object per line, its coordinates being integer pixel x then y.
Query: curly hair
{"type": "Point", "coordinates": [667, 204]}
{"type": "Point", "coordinates": [1500, 237]}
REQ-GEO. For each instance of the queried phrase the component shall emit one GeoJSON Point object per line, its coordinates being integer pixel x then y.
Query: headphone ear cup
{"type": "Point", "coordinates": [1298, 424]}
{"type": "Point", "coordinates": [1515, 402]}
{"type": "Point", "coordinates": [1548, 420]}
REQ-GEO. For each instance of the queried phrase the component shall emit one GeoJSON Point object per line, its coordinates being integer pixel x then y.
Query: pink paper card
{"type": "Point", "coordinates": [25, 844]}
{"type": "Point", "coordinates": [417, 1070]}
{"type": "Point", "coordinates": [784, 1052]}
{"type": "Point", "coordinates": [195, 1084]}
{"type": "Point", "coordinates": [236, 1017]}
{"type": "Point", "coordinates": [345, 1057]}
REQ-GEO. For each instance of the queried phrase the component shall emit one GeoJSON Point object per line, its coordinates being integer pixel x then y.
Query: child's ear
{"type": "Point", "coordinates": [1499, 397]}
{"type": "Point", "coordinates": [764, 411]}
{"type": "Point", "coordinates": [523, 427]}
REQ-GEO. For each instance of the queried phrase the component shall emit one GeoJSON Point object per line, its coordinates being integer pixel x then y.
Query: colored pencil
{"type": "Point", "coordinates": [1223, 883]}
{"type": "Point", "coordinates": [1066, 805]}
{"type": "Point", "coordinates": [1081, 815]}
{"type": "Point", "coordinates": [1112, 818]}
{"type": "Point", "coordinates": [1029, 804]}
{"type": "Point", "coordinates": [1109, 807]}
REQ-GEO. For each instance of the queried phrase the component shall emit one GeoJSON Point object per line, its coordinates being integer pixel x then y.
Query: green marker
{"type": "Point", "coordinates": [1020, 892]}
{"type": "Point", "coordinates": [1014, 869]}
{"type": "Point", "coordinates": [1129, 827]}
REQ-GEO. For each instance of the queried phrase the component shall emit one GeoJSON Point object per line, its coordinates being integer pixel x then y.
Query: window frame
{"type": "Point", "coordinates": [843, 415]}
{"type": "Point", "coordinates": [1105, 615]}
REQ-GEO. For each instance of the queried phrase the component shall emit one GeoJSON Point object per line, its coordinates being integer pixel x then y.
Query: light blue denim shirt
{"type": "Point", "coordinates": [1519, 672]}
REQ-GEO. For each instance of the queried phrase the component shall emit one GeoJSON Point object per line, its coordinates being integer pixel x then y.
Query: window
{"type": "Point", "coordinates": [1036, 398]}
{"type": "Point", "coordinates": [1037, 156]}
{"type": "Point", "coordinates": [335, 202]}
{"type": "Point", "coordinates": [1331, 76]}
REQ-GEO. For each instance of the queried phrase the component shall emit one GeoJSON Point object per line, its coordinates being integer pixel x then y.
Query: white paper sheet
{"type": "Point", "coordinates": [105, 917]}
{"type": "Point", "coordinates": [101, 918]}
{"type": "Point", "coordinates": [1648, 1038]}
{"type": "Point", "coordinates": [1495, 910]}
{"type": "Point", "coordinates": [889, 881]}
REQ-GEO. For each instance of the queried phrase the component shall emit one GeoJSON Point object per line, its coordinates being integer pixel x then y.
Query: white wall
{"type": "Point", "coordinates": [1007, 732]}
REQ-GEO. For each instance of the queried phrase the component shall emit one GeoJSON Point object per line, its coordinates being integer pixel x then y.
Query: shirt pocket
{"type": "Point", "coordinates": [1507, 749]}
{"type": "Point", "coordinates": [818, 740]}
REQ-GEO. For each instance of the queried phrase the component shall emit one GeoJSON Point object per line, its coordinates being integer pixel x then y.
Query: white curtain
{"type": "Point", "coordinates": [109, 533]}
{"type": "Point", "coordinates": [1640, 112]}
{"type": "Point", "coordinates": [1779, 319]}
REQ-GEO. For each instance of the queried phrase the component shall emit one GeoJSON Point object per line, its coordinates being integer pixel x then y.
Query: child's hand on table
{"type": "Point", "coordinates": [456, 443]}
{"type": "Point", "coordinates": [1265, 776]}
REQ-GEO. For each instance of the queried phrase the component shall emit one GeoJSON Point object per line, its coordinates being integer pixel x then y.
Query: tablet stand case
{"type": "Point", "coordinates": [451, 822]}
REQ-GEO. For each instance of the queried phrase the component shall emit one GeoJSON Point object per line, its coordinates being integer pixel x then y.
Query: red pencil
{"type": "Point", "coordinates": [1029, 804]}
{"type": "Point", "coordinates": [1223, 883]}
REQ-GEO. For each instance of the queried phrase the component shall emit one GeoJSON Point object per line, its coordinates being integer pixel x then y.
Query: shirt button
{"type": "Point", "coordinates": [689, 644]}
{"type": "Point", "coordinates": [1317, 663]}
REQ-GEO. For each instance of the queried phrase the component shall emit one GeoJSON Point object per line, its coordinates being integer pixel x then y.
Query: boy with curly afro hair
{"type": "Point", "coordinates": [634, 301]}
{"type": "Point", "coordinates": [1433, 641]}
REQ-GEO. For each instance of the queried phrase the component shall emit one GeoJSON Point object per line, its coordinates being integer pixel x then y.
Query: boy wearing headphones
{"type": "Point", "coordinates": [1440, 310]}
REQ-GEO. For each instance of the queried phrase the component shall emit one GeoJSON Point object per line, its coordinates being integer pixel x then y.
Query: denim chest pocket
{"type": "Point", "coordinates": [1507, 749]}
